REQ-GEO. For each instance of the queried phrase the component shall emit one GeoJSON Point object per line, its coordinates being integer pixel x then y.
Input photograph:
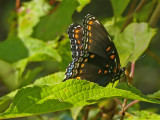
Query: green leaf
{"type": "Point", "coordinates": [30, 76]}
{"type": "Point", "coordinates": [155, 95]}
{"type": "Point", "coordinates": [134, 40]}
{"type": "Point", "coordinates": [143, 115]}
{"type": "Point", "coordinates": [57, 22]}
{"type": "Point", "coordinates": [75, 112]}
{"type": "Point", "coordinates": [64, 50]}
{"type": "Point", "coordinates": [39, 50]}
{"type": "Point", "coordinates": [54, 79]}
{"type": "Point", "coordinates": [119, 6]}
{"type": "Point", "coordinates": [14, 48]}
{"type": "Point", "coordinates": [38, 99]}
{"type": "Point", "coordinates": [82, 3]}
{"type": "Point", "coordinates": [29, 15]}
{"type": "Point", "coordinates": [8, 75]}
{"type": "Point", "coordinates": [48, 80]}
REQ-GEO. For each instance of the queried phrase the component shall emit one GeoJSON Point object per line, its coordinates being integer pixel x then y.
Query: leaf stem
{"type": "Point", "coordinates": [85, 117]}
{"type": "Point", "coordinates": [123, 109]}
{"type": "Point", "coordinates": [17, 4]}
{"type": "Point", "coordinates": [130, 104]}
{"type": "Point", "coordinates": [132, 72]}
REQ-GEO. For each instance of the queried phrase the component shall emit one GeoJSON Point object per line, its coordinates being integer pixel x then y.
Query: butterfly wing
{"type": "Point", "coordinates": [98, 41]}
{"type": "Point", "coordinates": [75, 33]}
{"type": "Point", "coordinates": [99, 60]}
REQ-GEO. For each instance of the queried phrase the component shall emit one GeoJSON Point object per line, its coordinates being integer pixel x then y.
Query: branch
{"type": "Point", "coordinates": [130, 104]}
{"type": "Point", "coordinates": [123, 109]}
{"type": "Point", "coordinates": [153, 55]}
{"type": "Point", "coordinates": [17, 4]}
{"type": "Point", "coordinates": [155, 16]}
{"type": "Point", "coordinates": [130, 16]}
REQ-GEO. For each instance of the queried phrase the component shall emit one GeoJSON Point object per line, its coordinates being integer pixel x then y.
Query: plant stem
{"type": "Point", "coordinates": [155, 16]}
{"type": "Point", "coordinates": [130, 104]}
{"type": "Point", "coordinates": [85, 117]}
{"type": "Point", "coordinates": [123, 109]}
{"type": "Point", "coordinates": [17, 4]}
{"type": "Point", "coordinates": [132, 72]}
{"type": "Point", "coordinates": [130, 16]}
{"type": "Point", "coordinates": [153, 55]}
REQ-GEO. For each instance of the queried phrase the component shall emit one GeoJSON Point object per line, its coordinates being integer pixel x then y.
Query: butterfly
{"type": "Point", "coordinates": [94, 55]}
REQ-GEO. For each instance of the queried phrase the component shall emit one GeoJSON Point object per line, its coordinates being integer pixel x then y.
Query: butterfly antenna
{"type": "Point", "coordinates": [141, 57]}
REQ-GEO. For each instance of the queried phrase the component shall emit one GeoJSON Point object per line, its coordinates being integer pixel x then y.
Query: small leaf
{"type": "Point", "coordinates": [39, 50]}
{"type": "Point", "coordinates": [134, 40]}
{"type": "Point", "coordinates": [57, 22]}
{"type": "Point", "coordinates": [119, 6]}
{"type": "Point", "coordinates": [14, 48]}
{"type": "Point", "coordinates": [82, 3]}
{"type": "Point", "coordinates": [155, 95]}
{"type": "Point", "coordinates": [29, 15]}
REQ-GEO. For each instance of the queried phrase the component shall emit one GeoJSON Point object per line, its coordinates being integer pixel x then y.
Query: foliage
{"type": "Point", "coordinates": [36, 52]}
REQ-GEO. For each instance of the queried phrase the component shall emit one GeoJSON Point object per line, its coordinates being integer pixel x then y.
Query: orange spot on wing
{"type": "Point", "coordinates": [90, 34]}
{"type": "Point", "coordinates": [99, 71]}
{"type": "Point", "coordinates": [82, 65]}
{"type": "Point", "coordinates": [107, 65]}
{"type": "Point", "coordinates": [118, 66]}
{"type": "Point", "coordinates": [89, 47]}
{"type": "Point", "coordinates": [78, 42]}
{"type": "Point", "coordinates": [105, 72]}
{"type": "Point", "coordinates": [112, 56]}
{"type": "Point", "coordinates": [115, 70]}
{"type": "Point", "coordinates": [80, 71]}
{"type": "Point", "coordinates": [108, 48]}
{"type": "Point", "coordinates": [86, 60]}
{"type": "Point", "coordinates": [90, 22]}
{"type": "Point", "coordinates": [76, 36]}
{"type": "Point", "coordinates": [80, 47]}
{"type": "Point", "coordinates": [78, 78]}
{"type": "Point", "coordinates": [76, 31]}
{"type": "Point", "coordinates": [92, 56]}
{"type": "Point", "coordinates": [90, 40]}
{"type": "Point", "coordinates": [89, 27]}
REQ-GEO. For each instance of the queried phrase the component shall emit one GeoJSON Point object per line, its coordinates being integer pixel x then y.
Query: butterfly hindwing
{"type": "Point", "coordinates": [75, 33]}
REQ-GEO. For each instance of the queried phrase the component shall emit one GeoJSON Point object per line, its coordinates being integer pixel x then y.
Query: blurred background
{"type": "Point", "coordinates": [34, 43]}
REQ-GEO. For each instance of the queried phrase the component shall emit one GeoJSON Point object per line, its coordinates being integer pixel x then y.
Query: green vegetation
{"type": "Point", "coordinates": [35, 51]}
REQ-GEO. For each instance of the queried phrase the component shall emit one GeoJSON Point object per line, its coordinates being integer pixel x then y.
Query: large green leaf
{"type": "Point", "coordinates": [134, 40]}
{"type": "Point", "coordinates": [41, 98]}
{"type": "Point", "coordinates": [48, 80]}
{"type": "Point", "coordinates": [57, 22]}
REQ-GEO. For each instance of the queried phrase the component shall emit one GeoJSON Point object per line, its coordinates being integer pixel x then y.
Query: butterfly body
{"type": "Point", "coordinates": [94, 55]}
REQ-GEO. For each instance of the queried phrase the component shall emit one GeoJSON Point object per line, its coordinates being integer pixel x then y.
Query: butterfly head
{"type": "Point", "coordinates": [122, 70]}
